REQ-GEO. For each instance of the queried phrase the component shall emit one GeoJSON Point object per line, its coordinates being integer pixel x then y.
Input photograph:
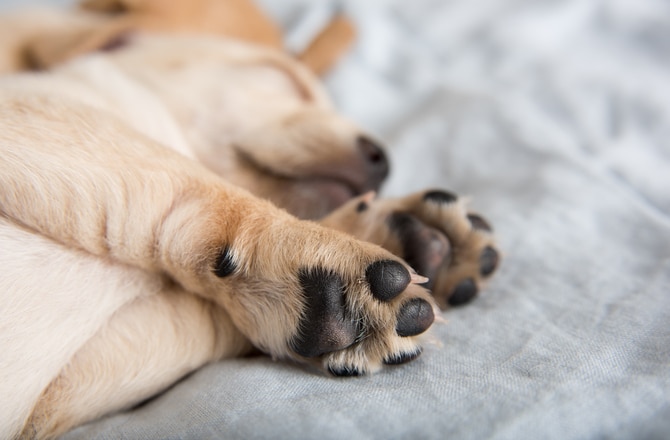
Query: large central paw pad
{"type": "Point", "coordinates": [326, 324]}
{"type": "Point", "coordinates": [433, 232]}
{"type": "Point", "coordinates": [356, 328]}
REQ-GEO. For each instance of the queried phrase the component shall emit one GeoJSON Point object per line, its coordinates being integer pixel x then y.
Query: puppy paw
{"type": "Point", "coordinates": [299, 290]}
{"type": "Point", "coordinates": [352, 334]}
{"type": "Point", "coordinates": [434, 233]}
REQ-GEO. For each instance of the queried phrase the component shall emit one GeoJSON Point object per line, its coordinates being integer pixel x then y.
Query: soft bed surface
{"type": "Point", "coordinates": [554, 116]}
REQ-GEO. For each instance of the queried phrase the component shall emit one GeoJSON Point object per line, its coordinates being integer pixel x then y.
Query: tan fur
{"type": "Point", "coordinates": [448, 224]}
{"type": "Point", "coordinates": [27, 36]}
{"type": "Point", "coordinates": [125, 176]}
{"type": "Point", "coordinates": [329, 45]}
{"type": "Point", "coordinates": [102, 198]}
{"type": "Point", "coordinates": [42, 39]}
{"type": "Point", "coordinates": [239, 19]}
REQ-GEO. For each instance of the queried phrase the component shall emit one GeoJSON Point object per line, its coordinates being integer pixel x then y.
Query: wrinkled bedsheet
{"type": "Point", "coordinates": [554, 117]}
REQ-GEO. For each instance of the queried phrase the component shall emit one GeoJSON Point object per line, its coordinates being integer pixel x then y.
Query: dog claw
{"type": "Point", "coordinates": [440, 197]}
{"type": "Point", "coordinates": [479, 223]}
{"type": "Point", "coordinates": [344, 371]}
{"type": "Point", "coordinates": [225, 264]}
{"type": "Point", "coordinates": [418, 279]}
{"type": "Point", "coordinates": [403, 357]}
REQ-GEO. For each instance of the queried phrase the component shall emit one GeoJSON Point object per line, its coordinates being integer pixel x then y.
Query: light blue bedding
{"type": "Point", "coordinates": [555, 117]}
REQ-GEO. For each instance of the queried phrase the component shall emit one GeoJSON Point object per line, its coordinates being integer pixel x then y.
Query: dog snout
{"type": "Point", "coordinates": [376, 161]}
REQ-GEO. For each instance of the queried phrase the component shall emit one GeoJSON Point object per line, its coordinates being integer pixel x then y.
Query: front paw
{"type": "Point", "coordinates": [302, 291]}
{"type": "Point", "coordinates": [434, 233]}
{"type": "Point", "coordinates": [352, 334]}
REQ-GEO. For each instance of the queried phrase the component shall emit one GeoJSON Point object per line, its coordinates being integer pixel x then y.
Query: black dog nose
{"type": "Point", "coordinates": [376, 161]}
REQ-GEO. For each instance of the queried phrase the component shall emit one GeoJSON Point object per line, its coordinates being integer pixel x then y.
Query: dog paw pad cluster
{"type": "Point", "coordinates": [356, 328]}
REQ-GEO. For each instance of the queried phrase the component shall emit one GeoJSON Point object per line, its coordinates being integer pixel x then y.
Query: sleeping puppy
{"type": "Point", "coordinates": [142, 233]}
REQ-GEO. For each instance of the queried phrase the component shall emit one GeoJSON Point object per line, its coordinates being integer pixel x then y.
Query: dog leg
{"type": "Point", "coordinates": [147, 346]}
{"type": "Point", "coordinates": [294, 288]}
{"type": "Point", "coordinates": [433, 232]}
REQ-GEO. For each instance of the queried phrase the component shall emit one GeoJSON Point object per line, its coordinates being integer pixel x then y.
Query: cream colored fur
{"type": "Point", "coordinates": [109, 227]}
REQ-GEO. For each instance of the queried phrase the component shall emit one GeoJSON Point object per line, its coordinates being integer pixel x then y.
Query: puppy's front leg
{"type": "Point", "coordinates": [79, 177]}
{"type": "Point", "coordinates": [294, 288]}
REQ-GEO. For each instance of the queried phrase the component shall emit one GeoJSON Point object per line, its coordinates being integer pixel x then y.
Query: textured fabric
{"type": "Point", "coordinates": [555, 117]}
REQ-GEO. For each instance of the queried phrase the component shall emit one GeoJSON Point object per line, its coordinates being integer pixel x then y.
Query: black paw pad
{"type": "Point", "coordinates": [387, 279]}
{"type": "Point", "coordinates": [440, 197]}
{"type": "Point", "coordinates": [488, 261]}
{"type": "Point", "coordinates": [401, 358]}
{"type": "Point", "coordinates": [344, 371]}
{"type": "Point", "coordinates": [325, 326]}
{"type": "Point", "coordinates": [414, 317]}
{"type": "Point", "coordinates": [464, 292]}
{"type": "Point", "coordinates": [424, 248]}
{"type": "Point", "coordinates": [225, 265]}
{"type": "Point", "coordinates": [478, 222]}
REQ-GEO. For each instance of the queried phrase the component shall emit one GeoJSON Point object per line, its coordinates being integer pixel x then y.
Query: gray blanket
{"type": "Point", "coordinates": [554, 116]}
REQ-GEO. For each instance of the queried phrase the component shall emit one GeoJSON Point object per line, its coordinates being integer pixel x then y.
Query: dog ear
{"type": "Point", "coordinates": [329, 45]}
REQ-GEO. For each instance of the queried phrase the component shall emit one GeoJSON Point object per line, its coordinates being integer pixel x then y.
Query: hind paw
{"type": "Point", "coordinates": [434, 233]}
